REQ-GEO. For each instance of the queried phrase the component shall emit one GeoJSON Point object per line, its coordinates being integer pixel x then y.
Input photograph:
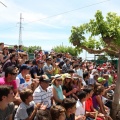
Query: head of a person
{"type": "Point", "coordinates": [44, 81]}
{"type": "Point", "coordinates": [57, 80]}
{"type": "Point", "coordinates": [70, 105]}
{"type": "Point", "coordinates": [26, 95]}
{"type": "Point", "coordinates": [24, 69]}
{"type": "Point", "coordinates": [5, 50]}
{"type": "Point", "coordinates": [89, 92]}
{"type": "Point", "coordinates": [101, 80]}
{"type": "Point", "coordinates": [6, 94]}
{"type": "Point", "coordinates": [94, 71]}
{"type": "Point", "coordinates": [40, 51]}
{"type": "Point", "coordinates": [67, 61]}
{"type": "Point", "coordinates": [49, 60]}
{"type": "Point", "coordinates": [96, 75]}
{"type": "Point", "coordinates": [82, 95]}
{"type": "Point", "coordinates": [106, 76]}
{"type": "Point", "coordinates": [20, 47]}
{"type": "Point", "coordinates": [1, 45]}
{"type": "Point", "coordinates": [76, 78]}
{"type": "Point", "coordinates": [70, 71]}
{"type": "Point", "coordinates": [43, 115]}
{"type": "Point", "coordinates": [15, 47]}
{"type": "Point", "coordinates": [14, 56]}
{"type": "Point", "coordinates": [54, 58]}
{"type": "Point", "coordinates": [76, 66]}
{"type": "Point", "coordinates": [37, 55]}
{"type": "Point", "coordinates": [11, 73]}
{"type": "Point", "coordinates": [99, 90]}
{"type": "Point", "coordinates": [86, 75]}
{"type": "Point", "coordinates": [40, 63]}
{"type": "Point", "coordinates": [58, 112]}
{"type": "Point", "coordinates": [112, 72]}
{"type": "Point", "coordinates": [28, 63]}
{"type": "Point", "coordinates": [67, 80]}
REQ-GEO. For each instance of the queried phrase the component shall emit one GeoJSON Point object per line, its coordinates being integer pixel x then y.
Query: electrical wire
{"type": "Point", "coordinates": [67, 11]}
{"type": "Point", "coordinates": [62, 13]}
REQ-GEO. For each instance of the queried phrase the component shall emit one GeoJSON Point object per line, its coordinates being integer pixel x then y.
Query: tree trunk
{"type": "Point", "coordinates": [116, 98]}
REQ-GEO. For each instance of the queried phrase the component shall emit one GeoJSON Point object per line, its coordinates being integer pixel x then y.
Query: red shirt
{"type": "Point", "coordinates": [88, 104]}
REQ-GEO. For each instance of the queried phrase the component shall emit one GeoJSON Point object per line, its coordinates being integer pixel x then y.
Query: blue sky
{"type": "Point", "coordinates": [39, 28]}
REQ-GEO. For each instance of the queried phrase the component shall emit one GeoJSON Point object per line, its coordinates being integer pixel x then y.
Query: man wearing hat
{"type": "Point", "coordinates": [43, 93]}
{"type": "Point", "coordinates": [37, 70]}
{"type": "Point", "coordinates": [21, 82]}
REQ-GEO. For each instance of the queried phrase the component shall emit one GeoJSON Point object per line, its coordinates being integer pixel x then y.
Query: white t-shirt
{"type": "Point", "coordinates": [80, 108]}
{"type": "Point", "coordinates": [24, 111]}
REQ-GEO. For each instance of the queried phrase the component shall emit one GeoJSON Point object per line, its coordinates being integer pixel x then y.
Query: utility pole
{"type": "Point", "coordinates": [20, 30]}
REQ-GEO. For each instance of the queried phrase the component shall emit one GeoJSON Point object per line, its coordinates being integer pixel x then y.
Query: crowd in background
{"type": "Point", "coordinates": [54, 86]}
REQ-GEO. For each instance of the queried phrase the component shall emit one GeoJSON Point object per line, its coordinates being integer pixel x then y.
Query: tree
{"type": "Point", "coordinates": [104, 36]}
{"type": "Point", "coordinates": [67, 49]}
{"type": "Point", "coordinates": [31, 49]}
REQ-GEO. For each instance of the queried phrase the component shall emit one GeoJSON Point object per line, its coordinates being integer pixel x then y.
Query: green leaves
{"type": "Point", "coordinates": [67, 49]}
{"type": "Point", "coordinates": [98, 32]}
{"type": "Point", "coordinates": [31, 49]}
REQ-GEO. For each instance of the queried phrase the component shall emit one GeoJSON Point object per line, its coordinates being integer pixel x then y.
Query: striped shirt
{"type": "Point", "coordinates": [42, 96]}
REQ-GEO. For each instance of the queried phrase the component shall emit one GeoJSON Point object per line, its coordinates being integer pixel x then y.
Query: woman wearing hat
{"type": "Point", "coordinates": [57, 89]}
{"type": "Point", "coordinates": [67, 87]}
{"type": "Point", "coordinates": [5, 55]}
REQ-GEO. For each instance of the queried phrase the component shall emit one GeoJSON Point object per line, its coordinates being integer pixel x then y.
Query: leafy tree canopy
{"type": "Point", "coordinates": [31, 49]}
{"type": "Point", "coordinates": [104, 34]}
{"type": "Point", "coordinates": [67, 49]}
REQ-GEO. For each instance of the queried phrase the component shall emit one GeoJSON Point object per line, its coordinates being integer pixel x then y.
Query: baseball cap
{"type": "Point", "coordinates": [101, 79]}
{"type": "Point", "coordinates": [24, 67]}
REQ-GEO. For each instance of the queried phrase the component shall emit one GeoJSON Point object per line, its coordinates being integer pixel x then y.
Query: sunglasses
{"type": "Point", "coordinates": [59, 80]}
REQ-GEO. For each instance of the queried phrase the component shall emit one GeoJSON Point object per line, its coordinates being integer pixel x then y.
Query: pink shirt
{"type": "Point", "coordinates": [4, 82]}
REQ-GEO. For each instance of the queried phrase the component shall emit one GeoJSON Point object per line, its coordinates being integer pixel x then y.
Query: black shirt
{"type": "Point", "coordinates": [37, 71]}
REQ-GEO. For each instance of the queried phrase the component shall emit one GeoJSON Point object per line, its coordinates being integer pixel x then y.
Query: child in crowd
{"type": "Point", "coordinates": [70, 106]}
{"type": "Point", "coordinates": [90, 112]}
{"type": "Point", "coordinates": [80, 105]}
{"type": "Point", "coordinates": [27, 109]}
{"type": "Point", "coordinates": [6, 103]}
{"type": "Point", "coordinates": [58, 112]}
{"type": "Point", "coordinates": [43, 115]}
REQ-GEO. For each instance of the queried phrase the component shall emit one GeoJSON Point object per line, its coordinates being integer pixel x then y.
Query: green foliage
{"type": "Point", "coordinates": [31, 49]}
{"type": "Point", "coordinates": [101, 31]}
{"type": "Point", "coordinates": [67, 49]}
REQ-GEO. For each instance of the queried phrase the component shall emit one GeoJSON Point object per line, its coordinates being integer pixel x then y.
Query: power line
{"type": "Point", "coordinates": [3, 4]}
{"type": "Point", "coordinates": [67, 11]}
{"type": "Point", "coordinates": [64, 13]}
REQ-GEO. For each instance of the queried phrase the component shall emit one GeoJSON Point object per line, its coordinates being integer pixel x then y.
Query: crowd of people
{"type": "Point", "coordinates": [54, 86]}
